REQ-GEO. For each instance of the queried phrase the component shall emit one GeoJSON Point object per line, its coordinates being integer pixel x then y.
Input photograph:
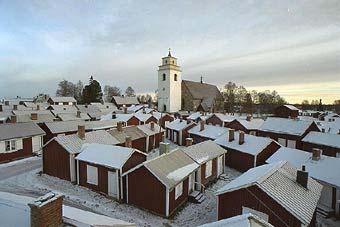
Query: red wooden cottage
{"type": "Point", "coordinates": [145, 118]}
{"type": "Point", "coordinates": [167, 182]}
{"type": "Point", "coordinates": [177, 130]}
{"type": "Point", "coordinates": [210, 157]}
{"type": "Point", "coordinates": [19, 140]}
{"type": "Point", "coordinates": [327, 142]}
{"type": "Point", "coordinates": [220, 119]}
{"type": "Point", "coordinates": [288, 132]}
{"type": "Point", "coordinates": [154, 134]}
{"type": "Point", "coordinates": [277, 192]}
{"type": "Point", "coordinates": [246, 151]}
{"type": "Point", "coordinates": [286, 111]}
{"type": "Point", "coordinates": [162, 118]}
{"type": "Point", "coordinates": [203, 132]}
{"type": "Point", "coordinates": [60, 152]}
{"type": "Point", "coordinates": [100, 167]}
{"type": "Point", "coordinates": [248, 125]}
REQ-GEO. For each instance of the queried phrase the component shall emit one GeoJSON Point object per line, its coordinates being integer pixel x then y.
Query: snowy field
{"type": "Point", "coordinates": [190, 215]}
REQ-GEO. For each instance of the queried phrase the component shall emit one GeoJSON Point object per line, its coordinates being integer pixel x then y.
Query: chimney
{"type": "Point", "coordinates": [231, 135]}
{"type": "Point", "coordinates": [180, 120]}
{"type": "Point", "coordinates": [339, 132]}
{"type": "Point", "coordinates": [0, 108]}
{"type": "Point", "coordinates": [202, 125]}
{"type": "Point", "coordinates": [248, 118]}
{"type": "Point", "coordinates": [152, 125]}
{"type": "Point", "coordinates": [120, 126]}
{"type": "Point", "coordinates": [81, 131]}
{"type": "Point", "coordinates": [302, 177]}
{"type": "Point", "coordinates": [163, 148]}
{"type": "Point", "coordinates": [15, 107]}
{"type": "Point", "coordinates": [78, 114]}
{"type": "Point", "coordinates": [125, 109]}
{"type": "Point", "coordinates": [13, 119]}
{"type": "Point", "coordinates": [38, 107]}
{"type": "Point", "coordinates": [128, 141]}
{"type": "Point", "coordinates": [188, 122]}
{"type": "Point", "coordinates": [7, 103]}
{"type": "Point", "coordinates": [316, 154]}
{"type": "Point", "coordinates": [114, 116]}
{"type": "Point", "coordinates": [47, 210]}
{"type": "Point", "coordinates": [188, 142]}
{"type": "Point", "coordinates": [241, 138]}
{"type": "Point", "coordinates": [322, 130]}
{"type": "Point", "coordinates": [34, 116]}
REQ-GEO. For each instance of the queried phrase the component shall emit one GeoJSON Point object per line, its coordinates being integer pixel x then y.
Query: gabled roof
{"type": "Point", "coordinates": [178, 124]}
{"type": "Point", "coordinates": [135, 108]}
{"type": "Point", "coordinates": [142, 117]}
{"type": "Point", "coordinates": [253, 124]}
{"type": "Point", "coordinates": [326, 169]}
{"type": "Point", "coordinates": [196, 88]}
{"type": "Point", "coordinates": [72, 126]}
{"type": "Point", "coordinates": [132, 131]}
{"type": "Point", "coordinates": [252, 144]}
{"type": "Point", "coordinates": [158, 115]}
{"type": "Point", "coordinates": [244, 220]}
{"type": "Point", "coordinates": [171, 168]}
{"type": "Point", "coordinates": [204, 151]}
{"type": "Point", "coordinates": [120, 100]}
{"type": "Point", "coordinates": [41, 118]}
{"type": "Point", "coordinates": [224, 117]}
{"type": "Point", "coordinates": [285, 126]}
{"type": "Point", "coordinates": [320, 138]}
{"type": "Point", "coordinates": [73, 116]}
{"type": "Point", "coordinates": [105, 155]}
{"type": "Point", "coordinates": [73, 144]}
{"type": "Point", "coordinates": [278, 180]}
{"type": "Point", "coordinates": [63, 99]}
{"type": "Point", "coordinates": [19, 130]}
{"type": "Point", "coordinates": [291, 107]}
{"type": "Point", "coordinates": [209, 131]}
{"type": "Point", "coordinates": [58, 109]}
{"type": "Point", "coordinates": [146, 128]}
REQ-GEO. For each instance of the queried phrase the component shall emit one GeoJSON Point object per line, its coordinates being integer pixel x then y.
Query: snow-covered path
{"type": "Point", "coordinates": [15, 168]}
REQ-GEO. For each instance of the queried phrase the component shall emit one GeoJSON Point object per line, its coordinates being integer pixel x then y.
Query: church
{"type": "Point", "coordinates": [175, 94]}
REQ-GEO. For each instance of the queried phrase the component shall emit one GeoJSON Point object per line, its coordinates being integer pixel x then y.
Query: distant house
{"type": "Point", "coordinates": [162, 118]}
{"type": "Point", "coordinates": [243, 220]}
{"type": "Point", "coordinates": [199, 96]}
{"type": "Point", "coordinates": [203, 132]}
{"type": "Point", "coordinates": [322, 168]}
{"type": "Point", "coordinates": [177, 130]}
{"type": "Point", "coordinates": [210, 157]}
{"type": "Point", "coordinates": [129, 134]}
{"type": "Point", "coordinates": [328, 143]}
{"type": "Point", "coordinates": [277, 192]}
{"type": "Point", "coordinates": [60, 152]}
{"type": "Point", "coordinates": [246, 151]}
{"type": "Point", "coordinates": [69, 101]}
{"type": "Point", "coordinates": [220, 119]}
{"type": "Point", "coordinates": [249, 125]}
{"type": "Point", "coordinates": [288, 132]}
{"type": "Point", "coordinates": [286, 111]}
{"type": "Point", "coordinates": [168, 179]}
{"type": "Point", "coordinates": [100, 167]}
{"type": "Point", "coordinates": [124, 101]}
{"type": "Point", "coordinates": [145, 118]}
{"type": "Point", "coordinates": [154, 134]}
{"type": "Point", "coordinates": [19, 140]}
{"type": "Point", "coordinates": [36, 116]}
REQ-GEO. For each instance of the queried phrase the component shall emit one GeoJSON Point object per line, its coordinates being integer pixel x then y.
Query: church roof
{"type": "Point", "coordinates": [202, 91]}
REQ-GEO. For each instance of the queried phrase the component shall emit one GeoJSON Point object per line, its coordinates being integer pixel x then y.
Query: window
{"type": "Point", "coordinates": [92, 175]}
{"type": "Point", "coordinates": [291, 143]}
{"type": "Point", "coordinates": [13, 145]}
{"type": "Point", "coordinates": [164, 77]}
{"type": "Point", "coordinates": [175, 77]}
{"type": "Point", "coordinates": [164, 108]}
{"type": "Point", "coordinates": [178, 190]}
{"type": "Point", "coordinates": [8, 145]}
{"type": "Point", "coordinates": [166, 62]}
{"type": "Point", "coordinates": [208, 169]}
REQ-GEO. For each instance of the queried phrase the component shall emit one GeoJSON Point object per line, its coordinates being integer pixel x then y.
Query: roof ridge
{"type": "Point", "coordinates": [270, 172]}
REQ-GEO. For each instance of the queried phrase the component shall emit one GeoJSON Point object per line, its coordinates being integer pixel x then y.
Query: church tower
{"type": "Point", "coordinates": [169, 85]}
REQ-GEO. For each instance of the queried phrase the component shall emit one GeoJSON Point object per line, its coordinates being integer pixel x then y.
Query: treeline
{"type": "Point", "coordinates": [91, 92]}
{"type": "Point", "coordinates": [238, 99]}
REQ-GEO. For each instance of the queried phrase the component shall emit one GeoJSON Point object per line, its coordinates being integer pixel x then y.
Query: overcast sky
{"type": "Point", "coordinates": [290, 46]}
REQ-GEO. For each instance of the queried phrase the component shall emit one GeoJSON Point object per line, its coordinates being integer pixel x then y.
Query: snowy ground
{"type": "Point", "coordinates": [190, 215]}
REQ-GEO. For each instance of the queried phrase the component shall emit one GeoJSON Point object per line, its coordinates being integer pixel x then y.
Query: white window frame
{"type": "Point", "coordinates": [7, 145]}
{"type": "Point", "coordinates": [208, 169]}
{"type": "Point", "coordinates": [178, 190]}
{"type": "Point", "coordinates": [91, 175]}
{"type": "Point", "coordinates": [291, 143]}
{"type": "Point", "coordinates": [11, 145]}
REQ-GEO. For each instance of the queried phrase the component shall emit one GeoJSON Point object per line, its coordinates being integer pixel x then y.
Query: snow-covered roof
{"type": "Point", "coordinates": [291, 107]}
{"type": "Point", "coordinates": [158, 115]}
{"type": "Point", "coordinates": [326, 139]}
{"type": "Point", "coordinates": [63, 99]}
{"type": "Point", "coordinates": [59, 109]}
{"type": "Point", "coordinates": [204, 151]}
{"type": "Point", "coordinates": [285, 126]}
{"type": "Point", "coordinates": [253, 124]}
{"type": "Point", "coordinates": [244, 220]}
{"type": "Point", "coordinates": [146, 128]}
{"type": "Point", "coordinates": [73, 116]}
{"type": "Point", "coordinates": [135, 108]}
{"type": "Point", "coordinates": [105, 155]}
{"type": "Point", "coordinates": [142, 117]}
{"type": "Point", "coordinates": [326, 169]}
{"type": "Point", "coordinates": [120, 100]}
{"type": "Point", "coordinates": [252, 144]}
{"type": "Point", "coordinates": [130, 131]}
{"type": "Point", "coordinates": [225, 117]}
{"type": "Point", "coordinates": [71, 126]}
{"type": "Point", "coordinates": [73, 144]}
{"type": "Point", "coordinates": [178, 124]}
{"type": "Point", "coordinates": [194, 116]}
{"type": "Point", "coordinates": [171, 168]}
{"type": "Point", "coordinates": [19, 130]}
{"type": "Point", "coordinates": [146, 110]}
{"type": "Point", "coordinates": [209, 131]}
{"type": "Point", "coordinates": [296, 199]}
{"type": "Point", "coordinates": [332, 127]}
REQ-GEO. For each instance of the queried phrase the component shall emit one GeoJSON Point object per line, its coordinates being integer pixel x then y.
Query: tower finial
{"type": "Point", "coordinates": [169, 55]}
{"type": "Point", "coordinates": [201, 79]}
